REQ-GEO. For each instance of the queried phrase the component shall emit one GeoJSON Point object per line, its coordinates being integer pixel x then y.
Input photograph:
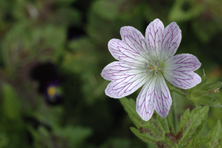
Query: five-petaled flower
{"type": "Point", "coordinates": [149, 61]}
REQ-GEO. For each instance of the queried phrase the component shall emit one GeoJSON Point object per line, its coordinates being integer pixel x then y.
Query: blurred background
{"type": "Point", "coordinates": [51, 56]}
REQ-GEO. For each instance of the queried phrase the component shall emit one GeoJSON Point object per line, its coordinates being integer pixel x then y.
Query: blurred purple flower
{"type": "Point", "coordinates": [50, 79]}
{"type": "Point", "coordinates": [149, 61]}
{"type": "Point", "coordinates": [53, 93]}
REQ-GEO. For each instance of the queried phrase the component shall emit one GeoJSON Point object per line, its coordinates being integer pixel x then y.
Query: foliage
{"type": "Point", "coordinates": [70, 37]}
{"type": "Point", "coordinates": [159, 131]}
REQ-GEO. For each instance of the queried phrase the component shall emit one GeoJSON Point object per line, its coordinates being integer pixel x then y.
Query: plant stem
{"type": "Point", "coordinates": [174, 115]}
{"type": "Point", "coordinates": [178, 91]}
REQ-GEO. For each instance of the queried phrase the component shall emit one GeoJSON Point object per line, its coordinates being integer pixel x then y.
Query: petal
{"type": "Point", "coordinates": [131, 49]}
{"type": "Point", "coordinates": [179, 71]}
{"type": "Point", "coordinates": [171, 39]}
{"type": "Point", "coordinates": [154, 95]}
{"type": "Point", "coordinates": [162, 97]}
{"type": "Point", "coordinates": [154, 33]}
{"type": "Point", "coordinates": [125, 79]}
{"type": "Point", "coordinates": [145, 101]}
{"type": "Point", "coordinates": [134, 38]}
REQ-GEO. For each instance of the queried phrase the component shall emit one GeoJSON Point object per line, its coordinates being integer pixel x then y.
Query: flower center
{"type": "Point", "coordinates": [153, 67]}
{"type": "Point", "coordinates": [51, 91]}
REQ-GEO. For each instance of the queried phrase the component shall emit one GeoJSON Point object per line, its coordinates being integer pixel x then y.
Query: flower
{"type": "Point", "coordinates": [53, 93]}
{"type": "Point", "coordinates": [50, 80]}
{"type": "Point", "coordinates": [149, 61]}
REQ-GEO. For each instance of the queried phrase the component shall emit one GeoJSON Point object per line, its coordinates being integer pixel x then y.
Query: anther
{"type": "Point", "coordinates": [145, 65]}
{"type": "Point", "coordinates": [148, 71]}
{"type": "Point", "coordinates": [150, 61]}
{"type": "Point", "coordinates": [155, 73]}
{"type": "Point", "coordinates": [157, 64]}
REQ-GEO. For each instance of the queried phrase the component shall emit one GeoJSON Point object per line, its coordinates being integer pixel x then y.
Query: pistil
{"type": "Point", "coordinates": [153, 67]}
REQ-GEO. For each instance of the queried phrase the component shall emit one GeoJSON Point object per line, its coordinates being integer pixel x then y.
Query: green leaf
{"type": "Point", "coordinates": [112, 10]}
{"type": "Point", "coordinates": [74, 135]}
{"type": "Point", "coordinates": [191, 124]}
{"type": "Point", "coordinates": [191, 144]}
{"type": "Point", "coordinates": [157, 130]}
{"type": "Point", "coordinates": [107, 9]}
{"type": "Point", "coordinates": [68, 136]}
{"type": "Point", "coordinates": [198, 142]}
{"type": "Point", "coordinates": [208, 100]}
{"type": "Point", "coordinates": [3, 140]}
{"type": "Point", "coordinates": [25, 43]}
{"type": "Point", "coordinates": [178, 14]}
{"type": "Point", "coordinates": [101, 29]}
{"type": "Point", "coordinates": [116, 143]}
{"type": "Point", "coordinates": [215, 136]}
{"type": "Point", "coordinates": [10, 103]}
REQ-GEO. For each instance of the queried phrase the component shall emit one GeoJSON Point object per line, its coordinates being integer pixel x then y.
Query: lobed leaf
{"type": "Point", "coordinates": [215, 136]}
{"type": "Point", "coordinates": [191, 123]}
{"type": "Point", "coordinates": [157, 130]}
{"type": "Point", "coordinates": [198, 142]}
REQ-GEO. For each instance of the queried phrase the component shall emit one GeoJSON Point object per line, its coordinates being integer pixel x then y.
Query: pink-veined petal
{"type": "Point", "coordinates": [171, 39]}
{"type": "Point", "coordinates": [131, 48]}
{"type": "Point", "coordinates": [134, 38]}
{"type": "Point", "coordinates": [179, 71]}
{"type": "Point", "coordinates": [162, 97]}
{"type": "Point", "coordinates": [145, 101]}
{"type": "Point", "coordinates": [125, 79]}
{"type": "Point", "coordinates": [154, 95]}
{"type": "Point", "coordinates": [154, 35]}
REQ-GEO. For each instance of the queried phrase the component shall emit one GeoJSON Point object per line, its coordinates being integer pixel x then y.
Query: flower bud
{"type": "Point", "coordinates": [208, 100]}
{"type": "Point", "coordinates": [204, 78]}
{"type": "Point", "coordinates": [212, 87]}
{"type": "Point", "coordinates": [200, 94]}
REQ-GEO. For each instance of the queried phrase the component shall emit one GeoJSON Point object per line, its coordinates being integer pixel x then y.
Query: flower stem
{"type": "Point", "coordinates": [174, 115]}
{"type": "Point", "coordinates": [177, 91]}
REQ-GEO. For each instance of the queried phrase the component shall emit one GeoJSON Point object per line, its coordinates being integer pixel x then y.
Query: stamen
{"type": "Point", "coordinates": [148, 71]}
{"type": "Point", "coordinates": [150, 62]}
{"type": "Point", "coordinates": [155, 73]}
{"type": "Point", "coordinates": [157, 64]}
{"type": "Point", "coordinates": [153, 67]}
{"type": "Point", "coordinates": [145, 65]}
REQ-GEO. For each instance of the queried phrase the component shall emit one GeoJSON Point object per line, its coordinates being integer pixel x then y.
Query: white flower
{"type": "Point", "coordinates": [149, 61]}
